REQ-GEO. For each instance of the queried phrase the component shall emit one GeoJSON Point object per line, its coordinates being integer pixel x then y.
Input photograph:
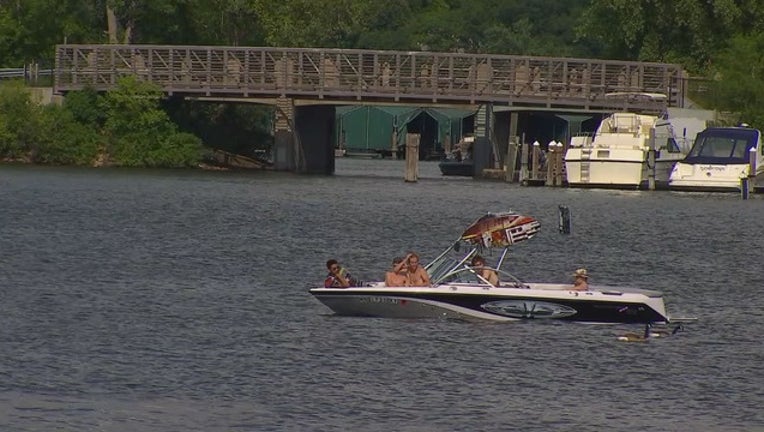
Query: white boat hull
{"type": "Point", "coordinates": [719, 161]}
{"type": "Point", "coordinates": [617, 156]}
{"type": "Point", "coordinates": [711, 177]}
{"type": "Point", "coordinates": [470, 302]}
{"type": "Point", "coordinates": [615, 168]}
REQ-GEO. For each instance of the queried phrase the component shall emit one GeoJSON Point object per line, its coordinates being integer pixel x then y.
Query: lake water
{"type": "Point", "coordinates": [140, 300]}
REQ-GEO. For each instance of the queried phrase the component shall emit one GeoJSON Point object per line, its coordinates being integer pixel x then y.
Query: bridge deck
{"type": "Point", "coordinates": [376, 76]}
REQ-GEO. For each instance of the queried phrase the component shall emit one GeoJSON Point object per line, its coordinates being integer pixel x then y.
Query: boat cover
{"type": "Point", "coordinates": [723, 146]}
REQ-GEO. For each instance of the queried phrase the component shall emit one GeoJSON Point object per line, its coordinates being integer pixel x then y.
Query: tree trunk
{"type": "Point", "coordinates": [128, 35]}
{"type": "Point", "coordinates": [111, 22]}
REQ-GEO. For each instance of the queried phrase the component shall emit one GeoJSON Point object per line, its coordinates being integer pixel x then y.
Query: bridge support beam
{"type": "Point", "coordinates": [483, 145]}
{"type": "Point", "coordinates": [315, 125]}
{"type": "Point", "coordinates": [284, 145]}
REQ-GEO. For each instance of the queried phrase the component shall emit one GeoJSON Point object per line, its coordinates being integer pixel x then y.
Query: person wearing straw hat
{"type": "Point", "coordinates": [581, 280]}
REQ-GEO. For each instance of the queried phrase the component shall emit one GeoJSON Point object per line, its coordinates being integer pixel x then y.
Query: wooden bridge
{"type": "Point", "coordinates": [338, 76]}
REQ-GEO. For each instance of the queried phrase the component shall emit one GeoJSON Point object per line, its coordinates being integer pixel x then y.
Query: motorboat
{"type": "Point", "coordinates": [453, 167]}
{"type": "Point", "coordinates": [618, 155]}
{"type": "Point", "coordinates": [459, 161]}
{"type": "Point", "coordinates": [719, 159]}
{"type": "Point", "coordinates": [458, 290]}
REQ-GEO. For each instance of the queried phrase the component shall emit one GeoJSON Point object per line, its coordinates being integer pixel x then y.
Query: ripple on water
{"type": "Point", "coordinates": [166, 300]}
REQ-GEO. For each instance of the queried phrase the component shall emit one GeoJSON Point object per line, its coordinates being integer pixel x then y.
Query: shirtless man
{"type": "Point", "coordinates": [397, 276]}
{"type": "Point", "coordinates": [580, 280]}
{"type": "Point", "coordinates": [486, 273]}
{"type": "Point", "coordinates": [417, 275]}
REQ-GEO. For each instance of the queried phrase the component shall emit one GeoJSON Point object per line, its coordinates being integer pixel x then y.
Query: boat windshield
{"type": "Point", "coordinates": [445, 264]}
{"type": "Point", "coordinates": [723, 146]}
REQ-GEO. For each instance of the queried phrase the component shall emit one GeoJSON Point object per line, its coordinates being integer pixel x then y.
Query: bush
{"type": "Point", "coordinates": [19, 121]}
{"type": "Point", "coordinates": [180, 149]}
{"type": "Point", "coordinates": [65, 141]}
{"type": "Point", "coordinates": [87, 107]}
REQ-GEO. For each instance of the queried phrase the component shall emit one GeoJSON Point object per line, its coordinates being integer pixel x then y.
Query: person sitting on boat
{"type": "Point", "coordinates": [397, 276]}
{"type": "Point", "coordinates": [417, 275]}
{"type": "Point", "coordinates": [580, 280]}
{"type": "Point", "coordinates": [338, 277]}
{"type": "Point", "coordinates": [478, 262]}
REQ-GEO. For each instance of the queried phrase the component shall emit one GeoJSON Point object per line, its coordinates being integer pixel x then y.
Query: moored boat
{"type": "Point", "coordinates": [719, 159]}
{"type": "Point", "coordinates": [453, 167]}
{"type": "Point", "coordinates": [618, 155]}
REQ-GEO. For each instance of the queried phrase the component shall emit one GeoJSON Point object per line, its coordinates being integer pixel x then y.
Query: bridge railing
{"type": "Point", "coordinates": [376, 76]}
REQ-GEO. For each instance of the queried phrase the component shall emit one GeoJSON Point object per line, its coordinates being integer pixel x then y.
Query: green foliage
{"type": "Point", "coordinates": [29, 30]}
{"type": "Point", "coordinates": [738, 86]}
{"type": "Point", "coordinates": [86, 106]}
{"type": "Point", "coordinates": [180, 149]}
{"type": "Point", "coordinates": [19, 121]}
{"type": "Point", "coordinates": [65, 141]}
{"type": "Point", "coordinates": [688, 32]}
{"type": "Point", "coordinates": [237, 128]}
{"type": "Point", "coordinates": [140, 133]}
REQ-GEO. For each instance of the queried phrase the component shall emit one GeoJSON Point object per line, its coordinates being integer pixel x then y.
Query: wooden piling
{"type": "Point", "coordinates": [524, 162]}
{"type": "Point", "coordinates": [748, 183]}
{"type": "Point", "coordinates": [412, 158]}
{"type": "Point", "coordinates": [651, 161]}
{"type": "Point", "coordinates": [510, 162]}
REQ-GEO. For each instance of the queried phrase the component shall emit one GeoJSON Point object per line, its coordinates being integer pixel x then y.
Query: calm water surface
{"type": "Point", "coordinates": [176, 301]}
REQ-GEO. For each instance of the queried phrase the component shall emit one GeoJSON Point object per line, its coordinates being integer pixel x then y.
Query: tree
{"type": "Point", "coordinates": [65, 141]}
{"type": "Point", "coordinates": [19, 122]}
{"type": "Point", "coordinates": [688, 32]}
{"type": "Point", "coordinates": [738, 86]}
{"type": "Point", "coordinates": [29, 30]}
{"type": "Point", "coordinates": [139, 133]}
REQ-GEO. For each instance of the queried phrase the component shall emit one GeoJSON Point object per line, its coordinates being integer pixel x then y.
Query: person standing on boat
{"type": "Point", "coordinates": [338, 277]}
{"type": "Point", "coordinates": [580, 280]}
{"type": "Point", "coordinates": [417, 275]}
{"type": "Point", "coordinates": [478, 262]}
{"type": "Point", "coordinates": [398, 274]}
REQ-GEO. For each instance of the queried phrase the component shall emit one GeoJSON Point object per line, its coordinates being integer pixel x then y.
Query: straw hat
{"type": "Point", "coordinates": [582, 273]}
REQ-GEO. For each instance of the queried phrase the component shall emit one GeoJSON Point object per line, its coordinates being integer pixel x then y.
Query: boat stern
{"type": "Point", "coordinates": [707, 177]}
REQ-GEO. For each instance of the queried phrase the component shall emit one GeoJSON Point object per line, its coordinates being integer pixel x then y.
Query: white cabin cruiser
{"type": "Point", "coordinates": [618, 155]}
{"type": "Point", "coordinates": [457, 290]}
{"type": "Point", "coordinates": [719, 159]}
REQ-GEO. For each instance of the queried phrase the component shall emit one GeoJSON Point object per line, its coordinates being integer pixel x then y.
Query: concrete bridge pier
{"type": "Point", "coordinates": [315, 125]}
{"type": "Point", "coordinates": [302, 138]}
{"type": "Point", "coordinates": [284, 144]}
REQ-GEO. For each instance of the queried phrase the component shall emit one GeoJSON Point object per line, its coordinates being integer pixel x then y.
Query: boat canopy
{"type": "Point", "coordinates": [723, 146]}
{"type": "Point", "coordinates": [494, 230]}
{"type": "Point", "coordinates": [501, 230]}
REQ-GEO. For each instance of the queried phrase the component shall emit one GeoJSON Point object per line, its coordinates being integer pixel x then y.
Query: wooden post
{"type": "Point", "coordinates": [524, 163]}
{"type": "Point", "coordinates": [651, 161]}
{"type": "Point", "coordinates": [748, 183]}
{"type": "Point", "coordinates": [560, 163]}
{"type": "Point", "coordinates": [550, 165]}
{"type": "Point", "coordinates": [412, 158]}
{"type": "Point", "coordinates": [510, 160]}
{"type": "Point", "coordinates": [535, 160]}
{"type": "Point", "coordinates": [513, 148]}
